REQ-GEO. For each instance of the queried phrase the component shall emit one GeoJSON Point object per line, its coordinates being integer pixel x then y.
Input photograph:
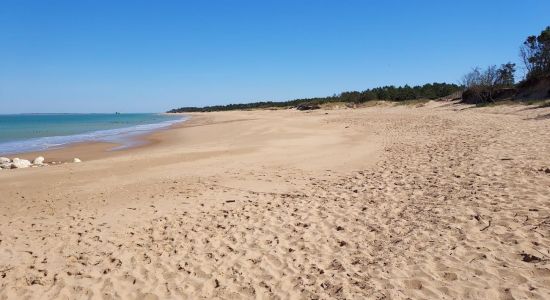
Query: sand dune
{"type": "Point", "coordinates": [386, 202]}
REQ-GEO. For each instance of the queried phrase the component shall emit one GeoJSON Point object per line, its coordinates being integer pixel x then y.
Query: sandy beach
{"type": "Point", "coordinates": [437, 201]}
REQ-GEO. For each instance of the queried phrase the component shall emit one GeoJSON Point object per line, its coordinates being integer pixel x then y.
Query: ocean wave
{"type": "Point", "coordinates": [125, 137]}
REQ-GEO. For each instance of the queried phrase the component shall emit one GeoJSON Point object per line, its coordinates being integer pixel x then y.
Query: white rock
{"type": "Point", "coordinates": [5, 166]}
{"type": "Point", "coordinates": [38, 161]}
{"type": "Point", "coordinates": [4, 160]}
{"type": "Point", "coordinates": [76, 160]}
{"type": "Point", "coordinates": [20, 163]}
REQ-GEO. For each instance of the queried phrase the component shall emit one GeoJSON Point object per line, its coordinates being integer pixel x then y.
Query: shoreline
{"type": "Point", "coordinates": [92, 150]}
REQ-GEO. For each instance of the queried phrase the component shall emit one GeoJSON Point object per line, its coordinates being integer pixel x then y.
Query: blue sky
{"type": "Point", "coordinates": [150, 56]}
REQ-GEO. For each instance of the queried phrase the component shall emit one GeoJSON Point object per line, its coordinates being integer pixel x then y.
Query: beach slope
{"type": "Point", "coordinates": [386, 202]}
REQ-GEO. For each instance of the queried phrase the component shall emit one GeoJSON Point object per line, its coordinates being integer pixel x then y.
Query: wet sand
{"type": "Point", "coordinates": [95, 150]}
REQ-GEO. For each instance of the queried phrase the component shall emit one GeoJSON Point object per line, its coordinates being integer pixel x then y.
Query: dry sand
{"type": "Point", "coordinates": [385, 202]}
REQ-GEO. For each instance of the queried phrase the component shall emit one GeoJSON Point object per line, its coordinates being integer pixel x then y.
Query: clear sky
{"type": "Point", "coordinates": [150, 56]}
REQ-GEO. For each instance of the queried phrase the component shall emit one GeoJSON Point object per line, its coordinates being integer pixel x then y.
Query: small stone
{"type": "Point", "coordinates": [76, 160]}
{"type": "Point", "coordinates": [530, 258]}
{"type": "Point", "coordinates": [38, 161]}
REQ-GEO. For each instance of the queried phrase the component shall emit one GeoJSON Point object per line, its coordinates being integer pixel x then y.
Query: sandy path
{"type": "Point", "coordinates": [382, 202]}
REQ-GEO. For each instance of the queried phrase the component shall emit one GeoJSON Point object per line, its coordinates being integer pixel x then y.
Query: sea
{"type": "Point", "coordinates": [21, 133]}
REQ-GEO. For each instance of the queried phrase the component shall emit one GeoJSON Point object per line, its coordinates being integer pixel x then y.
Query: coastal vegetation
{"type": "Point", "coordinates": [489, 84]}
{"type": "Point", "coordinates": [494, 83]}
{"type": "Point", "coordinates": [390, 93]}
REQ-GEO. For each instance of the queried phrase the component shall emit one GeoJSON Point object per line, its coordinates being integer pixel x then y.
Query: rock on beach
{"type": "Point", "coordinates": [18, 163]}
{"type": "Point", "coordinates": [38, 161]}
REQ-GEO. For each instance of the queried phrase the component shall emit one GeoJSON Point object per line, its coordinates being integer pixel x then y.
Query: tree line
{"type": "Point", "coordinates": [496, 83]}
{"type": "Point", "coordinates": [390, 93]}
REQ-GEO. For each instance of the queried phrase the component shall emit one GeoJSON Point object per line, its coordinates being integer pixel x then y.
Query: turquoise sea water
{"type": "Point", "coordinates": [35, 132]}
